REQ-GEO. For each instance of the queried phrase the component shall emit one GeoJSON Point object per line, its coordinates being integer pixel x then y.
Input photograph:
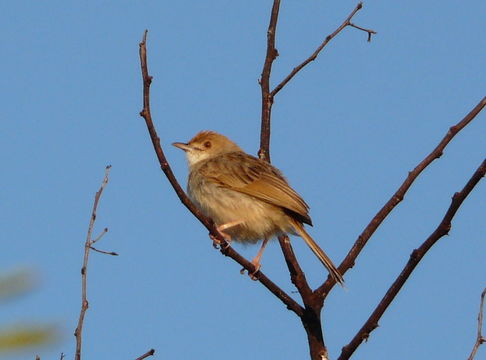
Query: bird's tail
{"type": "Point", "coordinates": [321, 255]}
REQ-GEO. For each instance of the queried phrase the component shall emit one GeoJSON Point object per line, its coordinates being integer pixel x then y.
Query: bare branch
{"type": "Point", "coordinates": [480, 339]}
{"type": "Point", "coordinates": [314, 55]}
{"type": "Point", "coordinates": [297, 276]}
{"type": "Point", "coordinates": [151, 352]}
{"type": "Point", "coordinates": [363, 238]}
{"type": "Point", "coordinates": [267, 98]}
{"type": "Point", "coordinates": [78, 333]}
{"type": "Point", "coordinates": [225, 248]}
{"type": "Point", "coordinates": [442, 229]}
{"type": "Point", "coordinates": [271, 55]}
{"type": "Point", "coordinates": [164, 164]}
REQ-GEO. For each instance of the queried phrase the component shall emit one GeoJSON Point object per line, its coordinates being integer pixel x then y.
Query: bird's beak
{"type": "Point", "coordinates": [182, 146]}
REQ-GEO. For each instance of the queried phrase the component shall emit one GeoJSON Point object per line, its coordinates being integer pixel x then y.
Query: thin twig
{"type": "Point", "coordinates": [78, 333]}
{"type": "Point", "coordinates": [112, 253]}
{"type": "Point", "coordinates": [370, 229]}
{"type": "Point", "coordinates": [314, 55]}
{"type": "Point", "coordinates": [480, 339]}
{"type": "Point", "coordinates": [225, 248]}
{"type": "Point", "coordinates": [442, 229]}
{"type": "Point", "coordinates": [369, 31]}
{"type": "Point", "coordinates": [151, 352]}
{"type": "Point", "coordinates": [105, 230]}
{"type": "Point", "coordinates": [271, 54]}
{"type": "Point", "coordinates": [62, 356]}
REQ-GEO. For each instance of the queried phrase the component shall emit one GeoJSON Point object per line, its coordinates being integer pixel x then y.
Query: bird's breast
{"type": "Point", "coordinates": [223, 205]}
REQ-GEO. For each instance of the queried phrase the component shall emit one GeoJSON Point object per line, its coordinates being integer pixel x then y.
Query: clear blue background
{"type": "Point", "coordinates": [345, 132]}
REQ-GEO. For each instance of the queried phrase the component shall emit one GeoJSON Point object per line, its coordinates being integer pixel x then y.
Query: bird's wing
{"type": "Point", "coordinates": [248, 175]}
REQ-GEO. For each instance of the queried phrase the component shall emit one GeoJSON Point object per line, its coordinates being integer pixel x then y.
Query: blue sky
{"type": "Point", "coordinates": [345, 132]}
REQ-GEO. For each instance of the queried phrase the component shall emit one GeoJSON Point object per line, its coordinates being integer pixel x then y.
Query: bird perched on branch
{"type": "Point", "coordinates": [247, 198]}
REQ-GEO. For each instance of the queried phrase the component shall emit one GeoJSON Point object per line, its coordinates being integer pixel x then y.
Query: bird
{"type": "Point", "coordinates": [247, 198]}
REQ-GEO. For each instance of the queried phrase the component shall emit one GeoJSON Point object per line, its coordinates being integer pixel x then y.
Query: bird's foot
{"type": "Point", "coordinates": [217, 243]}
{"type": "Point", "coordinates": [254, 274]}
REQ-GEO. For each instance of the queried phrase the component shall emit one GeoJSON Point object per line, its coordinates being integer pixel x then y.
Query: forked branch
{"type": "Point", "coordinates": [370, 229]}
{"type": "Point", "coordinates": [347, 22]}
{"type": "Point", "coordinates": [415, 257]}
{"type": "Point", "coordinates": [271, 54]}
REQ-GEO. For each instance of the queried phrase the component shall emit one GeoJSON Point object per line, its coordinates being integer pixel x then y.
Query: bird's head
{"type": "Point", "coordinates": [206, 145]}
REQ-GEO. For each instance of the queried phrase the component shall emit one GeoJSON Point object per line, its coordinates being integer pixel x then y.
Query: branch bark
{"type": "Point", "coordinates": [480, 339]}
{"type": "Point", "coordinates": [370, 229]}
{"type": "Point", "coordinates": [151, 352]}
{"type": "Point", "coordinates": [442, 229]}
{"type": "Point", "coordinates": [267, 98]}
{"type": "Point", "coordinates": [78, 333]}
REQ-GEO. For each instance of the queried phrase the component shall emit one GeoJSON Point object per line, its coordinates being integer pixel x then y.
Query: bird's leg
{"type": "Point", "coordinates": [225, 236]}
{"type": "Point", "coordinates": [256, 259]}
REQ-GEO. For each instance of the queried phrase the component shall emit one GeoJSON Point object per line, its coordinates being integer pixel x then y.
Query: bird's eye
{"type": "Point", "coordinates": [207, 144]}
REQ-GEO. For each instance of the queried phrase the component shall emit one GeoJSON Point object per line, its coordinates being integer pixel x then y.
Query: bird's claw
{"type": "Point", "coordinates": [217, 243]}
{"type": "Point", "coordinates": [254, 274]}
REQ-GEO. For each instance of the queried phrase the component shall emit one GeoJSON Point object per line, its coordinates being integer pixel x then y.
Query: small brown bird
{"type": "Point", "coordinates": [247, 198]}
